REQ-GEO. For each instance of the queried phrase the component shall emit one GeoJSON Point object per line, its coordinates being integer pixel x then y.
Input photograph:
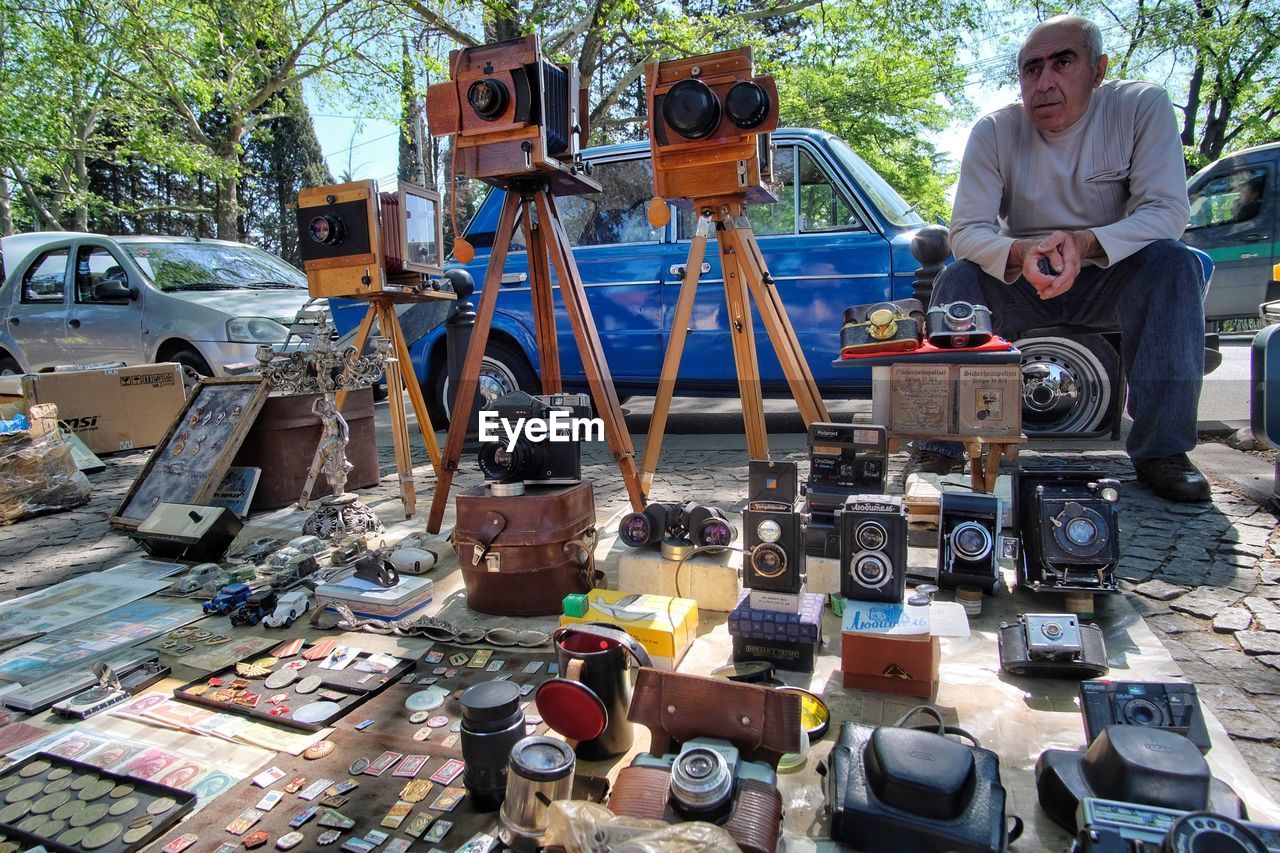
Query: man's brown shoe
{"type": "Point", "coordinates": [1173, 478]}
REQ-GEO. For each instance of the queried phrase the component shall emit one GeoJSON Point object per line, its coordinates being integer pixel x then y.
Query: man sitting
{"type": "Point", "coordinates": [1069, 210]}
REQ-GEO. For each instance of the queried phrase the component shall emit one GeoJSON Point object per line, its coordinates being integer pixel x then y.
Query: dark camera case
{"type": "Point", "coordinates": [902, 790]}
{"type": "Point", "coordinates": [1015, 658]}
{"type": "Point", "coordinates": [1178, 703]}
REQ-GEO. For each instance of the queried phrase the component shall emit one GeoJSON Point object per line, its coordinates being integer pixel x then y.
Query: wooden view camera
{"type": "Point", "coordinates": [514, 114]}
{"type": "Point", "coordinates": [357, 242]}
{"type": "Point", "coordinates": [709, 126]}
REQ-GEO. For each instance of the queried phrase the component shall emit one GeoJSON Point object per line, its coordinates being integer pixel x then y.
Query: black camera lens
{"type": "Point", "coordinates": [871, 570]}
{"type": "Point", "coordinates": [326, 229]}
{"type": "Point", "coordinates": [768, 560]}
{"type": "Point", "coordinates": [492, 724]}
{"type": "Point", "coordinates": [971, 541]}
{"type": "Point", "coordinates": [1082, 532]}
{"type": "Point", "coordinates": [701, 781]}
{"type": "Point", "coordinates": [691, 109]}
{"type": "Point", "coordinates": [488, 97]}
{"type": "Point", "coordinates": [1143, 712]}
{"type": "Point", "coordinates": [521, 462]}
{"type": "Point", "coordinates": [747, 105]}
{"type": "Point", "coordinates": [871, 536]}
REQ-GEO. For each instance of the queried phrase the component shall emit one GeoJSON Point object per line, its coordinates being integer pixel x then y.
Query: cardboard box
{"type": "Point", "coordinates": [955, 399]}
{"type": "Point", "coordinates": [665, 626]}
{"type": "Point", "coordinates": [793, 657]}
{"type": "Point", "coordinates": [787, 640]}
{"type": "Point", "coordinates": [112, 408]}
{"type": "Point", "coordinates": [889, 648]}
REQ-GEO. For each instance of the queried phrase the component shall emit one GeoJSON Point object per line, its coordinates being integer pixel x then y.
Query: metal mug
{"type": "Point", "coordinates": [599, 657]}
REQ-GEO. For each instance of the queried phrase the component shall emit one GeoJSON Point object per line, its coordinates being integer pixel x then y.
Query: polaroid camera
{"type": "Point", "coordinates": [1070, 527]}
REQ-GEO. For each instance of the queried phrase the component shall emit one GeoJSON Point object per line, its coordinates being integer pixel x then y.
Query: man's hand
{"type": "Point", "coordinates": [1063, 251]}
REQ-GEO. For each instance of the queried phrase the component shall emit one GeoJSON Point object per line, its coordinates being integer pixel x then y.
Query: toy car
{"type": "Point", "coordinates": [260, 604]}
{"type": "Point", "coordinates": [197, 577]}
{"type": "Point", "coordinates": [307, 544]}
{"type": "Point", "coordinates": [228, 598]}
{"type": "Point", "coordinates": [290, 606]}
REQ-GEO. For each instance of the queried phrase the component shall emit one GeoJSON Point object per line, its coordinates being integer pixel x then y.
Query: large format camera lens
{"type": "Point", "coordinates": [871, 536]}
{"type": "Point", "coordinates": [1082, 531]}
{"type": "Point", "coordinates": [700, 780]}
{"type": "Point", "coordinates": [488, 97]}
{"type": "Point", "coordinates": [747, 105]}
{"type": "Point", "coordinates": [691, 109]}
{"type": "Point", "coordinates": [971, 541]}
{"type": "Point", "coordinates": [871, 570]}
{"type": "Point", "coordinates": [326, 229]}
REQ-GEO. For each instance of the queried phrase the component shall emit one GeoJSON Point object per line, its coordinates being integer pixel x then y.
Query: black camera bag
{"type": "Point", "coordinates": [902, 790]}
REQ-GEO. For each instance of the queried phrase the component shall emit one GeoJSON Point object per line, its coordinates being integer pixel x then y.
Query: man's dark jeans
{"type": "Point", "coordinates": [1155, 297]}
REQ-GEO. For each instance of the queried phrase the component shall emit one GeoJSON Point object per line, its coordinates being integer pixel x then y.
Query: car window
{"type": "Point", "coordinates": [45, 280]}
{"type": "Point", "coordinates": [765, 219]}
{"type": "Point", "coordinates": [616, 214]}
{"type": "Point", "coordinates": [95, 266]}
{"type": "Point", "coordinates": [1234, 197]}
{"type": "Point", "coordinates": [823, 205]}
{"type": "Point", "coordinates": [213, 266]}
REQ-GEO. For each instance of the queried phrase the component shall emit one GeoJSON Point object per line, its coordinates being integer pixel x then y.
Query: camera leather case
{"type": "Point", "coordinates": [897, 789]}
{"type": "Point", "coordinates": [521, 555]}
{"type": "Point", "coordinates": [1133, 764]}
{"type": "Point", "coordinates": [1077, 651]}
{"type": "Point", "coordinates": [882, 327]}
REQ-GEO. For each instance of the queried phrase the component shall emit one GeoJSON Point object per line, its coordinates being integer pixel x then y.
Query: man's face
{"type": "Point", "coordinates": [1056, 77]}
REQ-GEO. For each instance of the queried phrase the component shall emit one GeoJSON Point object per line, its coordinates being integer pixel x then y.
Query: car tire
{"type": "Point", "coordinates": [9, 366]}
{"type": "Point", "coordinates": [504, 369]}
{"type": "Point", "coordinates": [1068, 384]}
{"type": "Point", "coordinates": [194, 367]}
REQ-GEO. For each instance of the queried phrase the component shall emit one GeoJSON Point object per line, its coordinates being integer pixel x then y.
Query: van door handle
{"type": "Point", "coordinates": [678, 270]}
{"type": "Point", "coordinates": [514, 278]}
{"type": "Point", "coordinates": [13, 321]}
{"type": "Point", "coordinates": [1255, 237]}
{"type": "Point", "coordinates": [73, 323]}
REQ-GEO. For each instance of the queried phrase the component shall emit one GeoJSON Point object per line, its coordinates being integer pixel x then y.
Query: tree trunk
{"type": "Point", "coordinates": [227, 207]}
{"type": "Point", "coordinates": [82, 186]}
{"type": "Point", "coordinates": [6, 211]}
{"type": "Point", "coordinates": [1192, 111]}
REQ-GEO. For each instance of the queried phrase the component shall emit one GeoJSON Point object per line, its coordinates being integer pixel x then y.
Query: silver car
{"type": "Point", "coordinates": [71, 298]}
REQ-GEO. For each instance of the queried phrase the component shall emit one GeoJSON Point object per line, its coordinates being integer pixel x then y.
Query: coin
{"type": "Point", "coordinates": [49, 802]}
{"type": "Point", "coordinates": [57, 785]}
{"type": "Point", "coordinates": [73, 836]}
{"type": "Point", "coordinates": [14, 812]}
{"type": "Point", "coordinates": [124, 789]}
{"type": "Point", "coordinates": [137, 834]}
{"type": "Point", "coordinates": [310, 684]}
{"type": "Point", "coordinates": [8, 782]}
{"type": "Point", "coordinates": [82, 782]}
{"type": "Point", "coordinates": [97, 790]}
{"type": "Point", "coordinates": [101, 836]}
{"type": "Point", "coordinates": [33, 823]}
{"type": "Point", "coordinates": [89, 815]}
{"type": "Point", "coordinates": [52, 828]}
{"type": "Point", "coordinates": [281, 678]}
{"type": "Point", "coordinates": [68, 810]}
{"type": "Point", "coordinates": [35, 768]}
{"type": "Point", "coordinates": [141, 820]}
{"type": "Point", "coordinates": [123, 807]}
{"type": "Point", "coordinates": [160, 806]}
{"type": "Point", "coordinates": [438, 722]}
{"type": "Point", "coordinates": [358, 766]}
{"type": "Point", "coordinates": [25, 791]}
{"type": "Point", "coordinates": [318, 750]}
{"type": "Point", "coordinates": [58, 773]}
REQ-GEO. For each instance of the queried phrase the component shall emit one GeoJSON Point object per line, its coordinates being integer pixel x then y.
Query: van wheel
{"type": "Point", "coordinates": [503, 370]}
{"type": "Point", "coordinates": [1067, 383]}
{"type": "Point", "coordinates": [9, 366]}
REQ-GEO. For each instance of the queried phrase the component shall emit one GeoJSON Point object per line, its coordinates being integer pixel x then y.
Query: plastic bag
{"type": "Point", "coordinates": [37, 472]}
{"type": "Point", "coordinates": [582, 827]}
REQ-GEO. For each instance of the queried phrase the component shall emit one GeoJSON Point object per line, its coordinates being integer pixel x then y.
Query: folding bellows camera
{"type": "Point", "coordinates": [1070, 527]}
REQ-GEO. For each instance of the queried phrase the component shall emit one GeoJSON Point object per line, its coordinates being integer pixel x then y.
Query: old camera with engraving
{"type": "Point", "coordinates": [1052, 645]}
{"type": "Point", "coordinates": [1070, 523]}
{"type": "Point", "coordinates": [844, 459]}
{"type": "Point", "coordinates": [873, 548]}
{"type": "Point", "coordinates": [773, 531]}
{"type": "Point", "coordinates": [970, 545]}
{"type": "Point", "coordinates": [958, 325]}
{"type": "Point", "coordinates": [703, 526]}
{"type": "Point", "coordinates": [882, 327]}
{"type": "Point", "coordinates": [1173, 706]}
{"type": "Point", "coordinates": [545, 462]}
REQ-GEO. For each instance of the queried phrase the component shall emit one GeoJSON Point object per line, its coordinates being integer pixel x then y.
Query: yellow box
{"type": "Point", "coordinates": [665, 626]}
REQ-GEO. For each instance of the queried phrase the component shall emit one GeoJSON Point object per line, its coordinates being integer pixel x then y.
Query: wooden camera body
{"type": "Point", "coordinates": [513, 114]}
{"type": "Point", "coordinates": [709, 125]}
{"type": "Point", "coordinates": [357, 242]}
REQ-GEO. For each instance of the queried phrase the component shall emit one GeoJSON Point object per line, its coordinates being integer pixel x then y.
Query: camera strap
{"type": "Point", "coordinates": [942, 728]}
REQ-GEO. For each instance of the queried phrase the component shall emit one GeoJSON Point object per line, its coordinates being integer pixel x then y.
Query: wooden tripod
{"type": "Point", "coordinates": [545, 241]}
{"type": "Point", "coordinates": [399, 376]}
{"type": "Point", "coordinates": [744, 271]}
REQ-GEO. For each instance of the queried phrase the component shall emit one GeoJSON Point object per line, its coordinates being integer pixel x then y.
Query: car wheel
{"type": "Point", "coordinates": [9, 366]}
{"type": "Point", "coordinates": [504, 369]}
{"type": "Point", "coordinates": [193, 365]}
{"type": "Point", "coordinates": [1067, 383]}
{"type": "Point", "coordinates": [288, 622]}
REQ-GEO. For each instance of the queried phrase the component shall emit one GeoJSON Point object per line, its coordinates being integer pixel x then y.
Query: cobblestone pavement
{"type": "Point", "coordinates": [1206, 577]}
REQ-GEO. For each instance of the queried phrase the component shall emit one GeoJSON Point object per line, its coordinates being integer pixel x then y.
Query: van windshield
{"type": "Point", "coordinates": [893, 206]}
{"type": "Point", "coordinates": [213, 266]}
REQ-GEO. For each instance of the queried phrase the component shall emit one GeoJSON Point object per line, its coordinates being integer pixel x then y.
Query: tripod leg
{"type": "Point", "coordinates": [399, 421]}
{"type": "Point", "coordinates": [401, 350]}
{"type": "Point", "coordinates": [675, 349]}
{"type": "Point", "coordinates": [468, 379]}
{"type": "Point", "coordinates": [795, 367]}
{"type": "Point", "coordinates": [361, 338]}
{"type": "Point", "coordinates": [743, 336]}
{"type": "Point", "coordinates": [544, 316]}
{"type": "Point", "coordinates": [589, 347]}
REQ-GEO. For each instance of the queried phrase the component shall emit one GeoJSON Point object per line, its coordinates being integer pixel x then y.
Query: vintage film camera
{"type": "Point", "coordinates": [1171, 706]}
{"type": "Point", "coordinates": [355, 241]}
{"type": "Point", "coordinates": [513, 113]}
{"type": "Point", "coordinates": [844, 459]}
{"type": "Point", "coordinates": [773, 531]}
{"type": "Point", "coordinates": [891, 789]}
{"type": "Point", "coordinates": [969, 542]}
{"type": "Point", "coordinates": [548, 462]}
{"type": "Point", "coordinates": [873, 548]}
{"type": "Point", "coordinates": [1113, 826]}
{"type": "Point", "coordinates": [1070, 527]}
{"type": "Point", "coordinates": [1052, 645]}
{"type": "Point", "coordinates": [710, 120]}
{"type": "Point", "coordinates": [882, 327]}
{"type": "Point", "coordinates": [703, 526]}
{"type": "Point", "coordinates": [957, 325]}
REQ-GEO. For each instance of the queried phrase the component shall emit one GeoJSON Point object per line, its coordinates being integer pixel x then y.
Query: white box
{"type": "Point", "coordinates": [778, 602]}
{"type": "Point", "coordinates": [709, 579]}
{"type": "Point", "coordinates": [822, 574]}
